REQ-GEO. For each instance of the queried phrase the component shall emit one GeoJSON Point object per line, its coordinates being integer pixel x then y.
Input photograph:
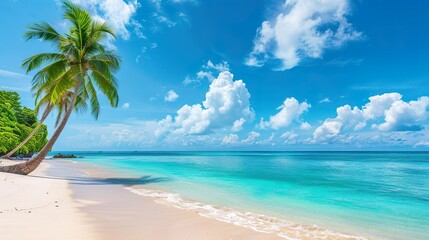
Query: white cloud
{"type": "Point", "coordinates": [137, 134]}
{"type": "Point", "coordinates": [126, 105]}
{"type": "Point", "coordinates": [9, 74]}
{"type": "Point", "coordinates": [220, 67]}
{"type": "Point", "coordinates": [156, 4]}
{"type": "Point", "coordinates": [290, 137]}
{"type": "Point", "coordinates": [238, 125]}
{"type": "Point", "coordinates": [406, 116]}
{"type": "Point", "coordinates": [171, 96]}
{"type": "Point", "coordinates": [328, 130]}
{"type": "Point", "coordinates": [302, 29]}
{"type": "Point", "coordinates": [269, 140]}
{"type": "Point", "coordinates": [325, 100]}
{"type": "Point", "coordinates": [117, 13]}
{"type": "Point", "coordinates": [190, 81]}
{"type": "Point", "coordinates": [251, 137]}
{"type": "Point", "coordinates": [422, 144]}
{"type": "Point", "coordinates": [134, 134]}
{"type": "Point", "coordinates": [379, 103]}
{"type": "Point", "coordinates": [163, 19]}
{"type": "Point", "coordinates": [305, 126]}
{"type": "Point", "coordinates": [398, 116]}
{"type": "Point", "coordinates": [230, 139]}
{"type": "Point", "coordinates": [290, 111]}
{"type": "Point", "coordinates": [138, 29]}
{"type": "Point", "coordinates": [226, 102]}
{"type": "Point", "coordinates": [208, 72]}
{"type": "Point", "coordinates": [205, 74]}
{"type": "Point", "coordinates": [8, 81]}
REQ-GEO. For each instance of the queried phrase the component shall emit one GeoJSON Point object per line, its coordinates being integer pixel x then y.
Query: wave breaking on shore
{"type": "Point", "coordinates": [255, 221]}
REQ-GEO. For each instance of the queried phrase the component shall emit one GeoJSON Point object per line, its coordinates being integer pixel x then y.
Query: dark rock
{"type": "Point", "coordinates": [59, 155]}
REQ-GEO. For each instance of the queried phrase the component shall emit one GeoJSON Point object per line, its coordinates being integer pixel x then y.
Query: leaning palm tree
{"type": "Point", "coordinates": [80, 65]}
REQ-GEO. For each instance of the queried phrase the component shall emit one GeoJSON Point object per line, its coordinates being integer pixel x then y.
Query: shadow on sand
{"type": "Point", "coordinates": [110, 181]}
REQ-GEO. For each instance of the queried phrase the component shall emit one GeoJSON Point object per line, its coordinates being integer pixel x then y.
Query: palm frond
{"type": "Point", "coordinates": [81, 21]}
{"type": "Point", "coordinates": [107, 85]}
{"type": "Point", "coordinates": [92, 95]}
{"type": "Point", "coordinates": [43, 31]}
{"type": "Point", "coordinates": [35, 61]}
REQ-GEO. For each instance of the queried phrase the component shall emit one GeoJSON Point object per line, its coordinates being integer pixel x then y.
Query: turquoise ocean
{"type": "Point", "coordinates": [313, 195]}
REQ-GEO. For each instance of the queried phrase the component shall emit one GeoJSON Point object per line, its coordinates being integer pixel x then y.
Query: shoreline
{"type": "Point", "coordinates": [119, 212]}
{"type": "Point", "coordinates": [113, 205]}
{"type": "Point", "coordinates": [137, 188]}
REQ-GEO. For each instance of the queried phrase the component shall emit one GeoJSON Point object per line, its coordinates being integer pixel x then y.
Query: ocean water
{"type": "Point", "coordinates": [297, 195]}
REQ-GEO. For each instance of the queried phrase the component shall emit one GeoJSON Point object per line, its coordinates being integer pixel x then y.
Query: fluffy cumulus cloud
{"type": "Point", "coordinates": [118, 13]}
{"type": "Point", "coordinates": [290, 111]}
{"type": "Point", "coordinates": [230, 139]}
{"type": "Point", "coordinates": [226, 105]}
{"type": "Point", "coordinates": [330, 129]}
{"type": "Point", "coordinates": [208, 72]}
{"type": "Point", "coordinates": [290, 137]}
{"type": "Point", "coordinates": [251, 137]}
{"type": "Point", "coordinates": [171, 96]}
{"type": "Point", "coordinates": [238, 125]}
{"type": "Point", "coordinates": [302, 29]}
{"type": "Point", "coordinates": [406, 116]}
{"type": "Point", "coordinates": [388, 112]}
{"type": "Point", "coordinates": [305, 126]}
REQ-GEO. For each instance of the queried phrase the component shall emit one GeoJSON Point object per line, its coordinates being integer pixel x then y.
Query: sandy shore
{"type": "Point", "coordinates": [66, 200]}
{"type": "Point", "coordinates": [39, 207]}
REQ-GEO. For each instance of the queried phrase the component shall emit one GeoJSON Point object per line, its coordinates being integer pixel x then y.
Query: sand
{"type": "Point", "coordinates": [66, 200]}
{"type": "Point", "coordinates": [38, 207]}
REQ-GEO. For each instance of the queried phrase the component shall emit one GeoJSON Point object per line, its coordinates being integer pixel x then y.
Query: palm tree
{"type": "Point", "coordinates": [81, 65]}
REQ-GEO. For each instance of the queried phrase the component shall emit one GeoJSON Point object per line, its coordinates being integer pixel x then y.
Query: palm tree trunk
{"type": "Point", "coordinates": [27, 167]}
{"type": "Point", "coordinates": [44, 116]}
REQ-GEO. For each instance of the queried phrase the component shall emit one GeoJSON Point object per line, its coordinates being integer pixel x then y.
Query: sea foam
{"type": "Point", "coordinates": [255, 221]}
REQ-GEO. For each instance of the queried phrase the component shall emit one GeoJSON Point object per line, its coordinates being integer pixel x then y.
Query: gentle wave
{"type": "Point", "coordinates": [257, 222]}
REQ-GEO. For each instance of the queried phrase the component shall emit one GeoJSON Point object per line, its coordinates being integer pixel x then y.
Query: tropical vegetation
{"type": "Point", "coordinates": [16, 123]}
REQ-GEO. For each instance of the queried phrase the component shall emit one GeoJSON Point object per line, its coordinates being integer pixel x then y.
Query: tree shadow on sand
{"type": "Point", "coordinates": [111, 181]}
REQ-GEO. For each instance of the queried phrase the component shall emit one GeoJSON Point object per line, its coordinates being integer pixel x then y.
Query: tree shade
{"type": "Point", "coordinates": [16, 122]}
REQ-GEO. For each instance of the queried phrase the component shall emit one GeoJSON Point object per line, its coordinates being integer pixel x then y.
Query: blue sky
{"type": "Point", "coordinates": [246, 75]}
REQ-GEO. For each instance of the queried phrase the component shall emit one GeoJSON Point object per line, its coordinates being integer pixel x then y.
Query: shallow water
{"type": "Point", "coordinates": [375, 195]}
